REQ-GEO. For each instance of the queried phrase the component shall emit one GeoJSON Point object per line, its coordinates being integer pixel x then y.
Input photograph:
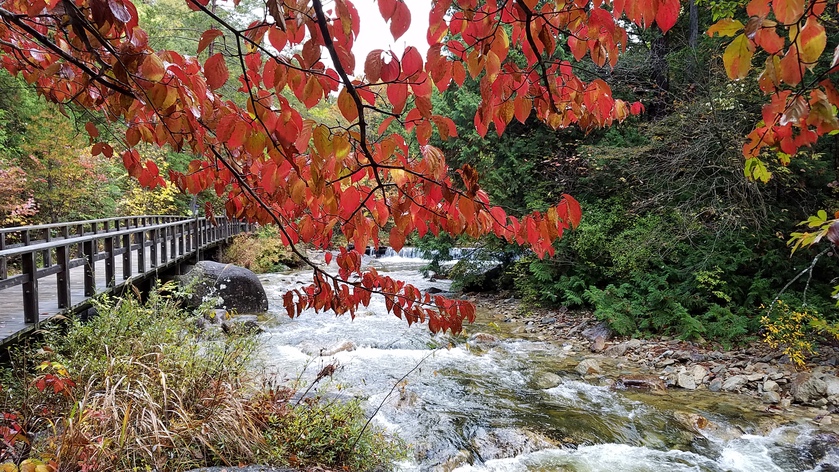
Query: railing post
{"type": "Point", "coordinates": [126, 256]}
{"type": "Point", "coordinates": [140, 239]}
{"type": "Point", "coordinates": [4, 272]}
{"type": "Point", "coordinates": [89, 251]}
{"type": "Point", "coordinates": [173, 242]}
{"type": "Point", "coordinates": [181, 239]}
{"type": "Point", "coordinates": [30, 288]}
{"type": "Point", "coordinates": [62, 253]}
{"type": "Point", "coordinates": [110, 262]}
{"type": "Point", "coordinates": [154, 238]}
{"type": "Point", "coordinates": [47, 253]}
{"type": "Point", "coordinates": [164, 233]}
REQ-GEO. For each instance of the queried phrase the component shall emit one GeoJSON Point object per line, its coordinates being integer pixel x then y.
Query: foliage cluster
{"type": "Point", "coordinates": [140, 387]}
{"type": "Point", "coordinates": [262, 251]}
{"type": "Point", "coordinates": [675, 237]}
{"type": "Point", "coordinates": [796, 330]}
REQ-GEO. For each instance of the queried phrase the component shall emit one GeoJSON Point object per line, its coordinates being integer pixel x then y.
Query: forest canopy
{"type": "Point", "coordinates": [238, 100]}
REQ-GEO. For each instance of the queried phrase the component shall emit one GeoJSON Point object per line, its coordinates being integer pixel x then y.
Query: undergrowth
{"type": "Point", "coordinates": [139, 387]}
{"type": "Point", "coordinates": [262, 251]}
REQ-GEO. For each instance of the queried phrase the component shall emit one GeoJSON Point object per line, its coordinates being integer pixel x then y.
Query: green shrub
{"type": "Point", "coordinates": [261, 252]}
{"type": "Point", "coordinates": [329, 433]}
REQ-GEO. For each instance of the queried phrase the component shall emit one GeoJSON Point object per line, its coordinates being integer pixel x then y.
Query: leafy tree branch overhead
{"type": "Point", "coordinates": [361, 176]}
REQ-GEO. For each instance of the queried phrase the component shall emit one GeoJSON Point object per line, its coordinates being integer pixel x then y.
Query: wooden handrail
{"type": "Point", "coordinates": [12, 229]}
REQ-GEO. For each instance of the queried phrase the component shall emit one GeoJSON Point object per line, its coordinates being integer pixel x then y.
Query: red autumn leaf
{"type": "Point", "coordinates": [401, 20]}
{"type": "Point", "coordinates": [667, 14]}
{"type": "Point", "coordinates": [207, 38]}
{"type": "Point", "coordinates": [215, 70]}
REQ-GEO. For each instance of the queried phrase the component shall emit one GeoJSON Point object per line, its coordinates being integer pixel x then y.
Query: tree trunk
{"type": "Point", "coordinates": [660, 76]}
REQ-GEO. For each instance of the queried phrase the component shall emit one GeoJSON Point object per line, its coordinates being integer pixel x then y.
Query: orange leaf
{"type": "Point", "coordinates": [152, 68]}
{"type": "Point", "coordinates": [215, 70]}
{"type": "Point", "coordinates": [788, 12]}
{"type": "Point", "coordinates": [347, 105]}
{"type": "Point", "coordinates": [575, 214]}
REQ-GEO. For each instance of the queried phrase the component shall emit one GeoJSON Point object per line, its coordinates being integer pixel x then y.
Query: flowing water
{"type": "Point", "coordinates": [473, 405]}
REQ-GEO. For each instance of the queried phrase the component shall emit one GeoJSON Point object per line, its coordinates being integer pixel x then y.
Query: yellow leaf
{"type": "Point", "coordinates": [738, 57]}
{"type": "Point", "coordinates": [813, 40]}
{"type": "Point", "coordinates": [725, 27]}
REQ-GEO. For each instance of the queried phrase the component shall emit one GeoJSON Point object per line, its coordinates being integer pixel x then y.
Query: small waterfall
{"type": "Point", "coordinates": [406, 253]}
{"type": "Point", "coordinates": [455, 253]}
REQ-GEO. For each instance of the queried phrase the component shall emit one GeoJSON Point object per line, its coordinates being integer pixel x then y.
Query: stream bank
{"type": "Point", "coordinates": [754, 370]}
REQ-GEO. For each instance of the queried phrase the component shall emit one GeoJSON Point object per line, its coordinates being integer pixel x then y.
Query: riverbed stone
{"type": "Point", "coordinates": [588, 367]}
{"type": "Point", "coordinates": [650, 382]}
{"type": "Point", "coordinates": [599, 344]}
{"type": "Point", "coordinates": [771, 397]}
{"type": "Point", "coordinates": [770, 386]}
{"type": "Point", "coordinates": [507, 442]}
{"type": "Point", "coordinates": [340, 346]}
{"type": "Point", "coordinates": [808, 389]}
{"type": "Point", "coordinates": [831, 388]}
{"type": "Point", "coordinates": [546, 380]}
{"type": "Point", "coordinates": [600, 329]}
{"type": "Point", "coordinates": [755, 377]}
{"type": "Point", "coordinates": [699, 373]}
{"type": "Point", "coordinates": [236, 288]}
{"type": "Point", "coordinates": [685, 380]}
{"type": "Point", "coordinates": [734, 383]}
{"type": "Point", "coordinates": [715, 385]}
{"type": "Point", "coordinates": [616, 350]}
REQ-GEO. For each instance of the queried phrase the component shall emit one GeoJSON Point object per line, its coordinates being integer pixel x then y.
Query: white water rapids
{"type": "Point", "coordinates": [469, 406]}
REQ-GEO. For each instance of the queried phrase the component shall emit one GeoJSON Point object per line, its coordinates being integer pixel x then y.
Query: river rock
{"type": "Point", "coordinates": [734, 383]}
{"type": "Point", "coordinates": [699, 373]}
{"type": "Point", "coordinates": [546, 380]}
{"type": "Point", "coordinates": [770, 386]}
{"type": "Point", "coordinates": [483, 338]}
{"type": "Point", "coordinates": [236, 327]}
{"type": "Point", "coordinates": [772, 397]}
{"type": "Point", "coordinates": [238, 289]}
{"type": "Point", "coordinates": [588, 367]}
{"type": "Point", "coordinates": [599, 330]}
{"type": "Point", "coordinates": [337, 347]}
{"type": "Point", "coordinates": [831, 388]}
{"type": "Point", "coordinates": [650, 382]}
{"type": "Point", "coordinates": [808, 389]}
{"type": "Point", "coordinates": [685, 380]}
{"type": "Point", "coordinates": [633, 344]}
{"type": "Point", "coordinates": [715, 385]}
{"type": "Point", "coordinates": [599, 344]}
{"type": "Point", "coordinates": [616, 350]}
{"type": "Point", "coordinates": [507, 442]}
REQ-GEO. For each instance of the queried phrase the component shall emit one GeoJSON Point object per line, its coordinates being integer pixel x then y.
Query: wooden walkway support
{"type": "Point", "coordinates": [53, 269]}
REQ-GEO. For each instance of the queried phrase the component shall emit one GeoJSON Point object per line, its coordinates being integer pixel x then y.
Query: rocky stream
{"type": "Point", "coordinates": [552, 391]}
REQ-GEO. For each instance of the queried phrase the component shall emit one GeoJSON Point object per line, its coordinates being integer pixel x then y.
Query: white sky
{"type": "Point", "coordinates": [374, 33]}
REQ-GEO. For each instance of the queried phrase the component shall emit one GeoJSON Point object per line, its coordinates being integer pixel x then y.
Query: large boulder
{"type": "Point", "coordinates": [238, 289]}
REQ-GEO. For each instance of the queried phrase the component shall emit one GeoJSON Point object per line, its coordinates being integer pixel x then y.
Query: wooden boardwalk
{"type": "Point", "coordinates": [49, 270]}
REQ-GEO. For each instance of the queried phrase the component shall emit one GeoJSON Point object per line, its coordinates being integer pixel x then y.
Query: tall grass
{"type": "Point", "coordinates": [142, 388]}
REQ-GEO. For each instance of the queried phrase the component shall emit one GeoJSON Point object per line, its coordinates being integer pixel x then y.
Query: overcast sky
{"type": "Point", "coordinates": [374, 33]}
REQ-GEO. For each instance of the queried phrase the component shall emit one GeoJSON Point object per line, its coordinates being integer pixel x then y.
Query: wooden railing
{"type": "Point", "coordinates": [30, 253]}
